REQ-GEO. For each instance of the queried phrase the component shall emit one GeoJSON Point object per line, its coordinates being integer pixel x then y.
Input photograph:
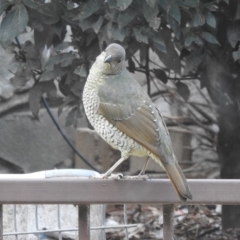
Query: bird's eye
{"type": "Point", "coordinates": [118, 61]}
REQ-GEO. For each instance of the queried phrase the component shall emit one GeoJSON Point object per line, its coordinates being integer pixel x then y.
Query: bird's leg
{"type": "Point", "coordinates": [144, 167]}
{"type": "Point", "coordinates": [122, 159]}
{"type": "Point", "coordinates": [141, 174]}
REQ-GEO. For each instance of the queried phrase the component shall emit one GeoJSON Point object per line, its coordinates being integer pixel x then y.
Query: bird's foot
{"type": "Point", "coordinates": [140, 177]}
{"type": "Point", "coordinates": [111, 176]}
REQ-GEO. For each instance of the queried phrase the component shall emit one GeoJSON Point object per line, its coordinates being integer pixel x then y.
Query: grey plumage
{"type": "Point", "coordinates": [125, 117]}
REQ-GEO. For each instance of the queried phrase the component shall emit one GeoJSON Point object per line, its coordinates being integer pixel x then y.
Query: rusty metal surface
{"type": "Point", "coordinates": [79, 191]}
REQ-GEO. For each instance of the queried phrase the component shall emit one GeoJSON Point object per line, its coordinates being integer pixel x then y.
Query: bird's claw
{"type": "Point", "coordinates": [120, 176]}
{"type": "Point", "coordinates": [115, 176]}
{"type": "Point", "coordinates": [112, 176]}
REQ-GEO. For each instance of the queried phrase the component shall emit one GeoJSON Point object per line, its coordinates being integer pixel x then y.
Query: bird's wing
{"type": "Point", "coordinates": [132, 112]}
{"type": "Point", "coordinates": [132, 115]}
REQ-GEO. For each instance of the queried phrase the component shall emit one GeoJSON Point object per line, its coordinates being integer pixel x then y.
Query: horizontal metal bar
{"type": "Point", "coordinates": [106, 191]}
{"type": "Point", "coordinates": [40, 231]}
{"type": "Point", "coordinates": [114, 226]}
{"type": "Point", "coordinates": [70, 229]}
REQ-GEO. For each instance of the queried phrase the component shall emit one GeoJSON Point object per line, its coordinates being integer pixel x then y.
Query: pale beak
{"type": "Point", "coordinates": [108, 59]}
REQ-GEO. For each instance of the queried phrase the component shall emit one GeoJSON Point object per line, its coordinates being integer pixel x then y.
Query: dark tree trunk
{"type": "Point", "coordinates": [229, 143]}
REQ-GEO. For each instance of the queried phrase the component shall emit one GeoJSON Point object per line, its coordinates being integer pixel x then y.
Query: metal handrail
{"type": "Point", "coordinates": [53, 187]}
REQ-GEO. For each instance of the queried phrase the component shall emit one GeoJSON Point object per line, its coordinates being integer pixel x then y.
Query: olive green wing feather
{"type": "Point", "coordinates": [136, 116]}
{"type": "Point", "coordinates": [132, 114]}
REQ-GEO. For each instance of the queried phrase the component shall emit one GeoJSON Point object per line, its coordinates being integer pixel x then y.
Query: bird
{"type": "Point", "coordinates": [123, 114]}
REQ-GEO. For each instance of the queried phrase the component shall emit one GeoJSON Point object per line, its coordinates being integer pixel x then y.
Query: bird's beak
{"type": "Point", "coordinates": [108, 59]}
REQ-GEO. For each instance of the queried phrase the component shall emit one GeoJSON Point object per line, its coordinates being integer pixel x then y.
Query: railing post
{"type": "Point", "coordinates": [168, 228]}
{"type": "Point", "coordinates": [84, 222]}
{"type": "Point", "coordinates": [1, 222]}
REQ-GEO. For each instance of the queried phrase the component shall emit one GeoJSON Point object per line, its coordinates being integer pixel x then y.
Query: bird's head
{"type": "Point", "coordinates": [113, 59]}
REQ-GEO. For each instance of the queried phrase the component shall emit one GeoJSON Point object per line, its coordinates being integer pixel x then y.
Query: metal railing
{"type": "Point", "coordinates": [42, 188]}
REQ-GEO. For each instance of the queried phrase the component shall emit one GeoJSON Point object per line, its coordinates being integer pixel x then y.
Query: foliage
{"type": "Point", "coordinates": [188, 36]}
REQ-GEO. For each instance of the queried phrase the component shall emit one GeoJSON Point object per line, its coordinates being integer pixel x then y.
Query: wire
{"type": "Point", "coordinates": [64, 135]}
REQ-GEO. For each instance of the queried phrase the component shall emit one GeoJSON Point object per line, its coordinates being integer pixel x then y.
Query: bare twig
{"type": "Point", "coordinates": [203, 113]}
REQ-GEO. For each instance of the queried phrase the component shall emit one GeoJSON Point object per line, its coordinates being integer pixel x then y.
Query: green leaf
{"type": "Point", "coordinates": [236, 55]}
{"type": "Point", "coordinates": [114, 33]}
{"type": "Point", "coordinates": [211, 6]}
{"type": "Point", "coordinates": [25, 69]}
{"type": "Point", "coordinates": [188, 40]}
{"type": "Point", "coordinates": [233, 34]}
{"type": "Point", "coordinates": [36, 93]}
{"type": "Point", "coordinates": [62, 46]}
{"type": "Point", "coordinates": [83, 71]}
{"type": "Point", "coordinates": [64, 59]}
{"type": "Point", "coordinates": [90, 7]}
{"type": "Point", "coordinates": [13, 23]}
{"type": "Point", "coordinates": [124, 18]}
{"type": "Point", "coordinates": [160, 74]}
{"type": "Point", "coordinates": [210, 38]}
{"type": "Point", "coordinates": [183, 90]}
{"type": "Point", "coordinates": [171, 8]}
{"type": "Point", "coordinates": [151, 3]}
{"type": "Point", "coordinates": [22, 76]}
{"type": "Point", "coordinates": [188, 3]}
{"type": "Point", "coordinates": [175, 27]}
{"type": "Point", "coordinates": [4, 4]}
{"type": "Point", "coordinates": [31, 55]}
{"type": "Point", "coordinates": [112, 3]}
{"type": "Point", "coordinates": [47, 13]}
{"type": "Point", "coordinates": [66, 101]}
{"type": "Point", "coordinates": [59, 29]}
{"type": "Point", "coordinates": [72, 117]}
{"type": "Point", "coordinates": [198, 18]}
{"type": "Point", "coordinates": [191, 37]}
{"type": "Point", "coordinates": [210, 19]}
{"type": "Point", "coordinates": [42, 18]}
{"type": "Point", "coordinates": [70, 5]}
{"type": "Point", "coordinates": [58, 71]}
{"type": "Point", "coordinates": [150, 14]}
{"type": "Point", "coordinates": [197, 40]}
{"type": "Point", "coordinates": [152, 35]}
{"type": "Point", "coordinates": [97, 25]}
{"type": "Point", "coordinates": [138, 35]}
{"type": "Point", "coordinates": [88, 22]}
{"type": "Point", "coordinates": [123, 4]}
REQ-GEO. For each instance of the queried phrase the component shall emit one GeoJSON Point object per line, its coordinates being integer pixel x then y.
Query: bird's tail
{"type": "Point", "coordinates": [178, 180]}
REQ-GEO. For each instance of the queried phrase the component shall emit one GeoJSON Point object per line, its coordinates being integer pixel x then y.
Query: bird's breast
{"type": "Point", "coordinates": [116, 138]}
